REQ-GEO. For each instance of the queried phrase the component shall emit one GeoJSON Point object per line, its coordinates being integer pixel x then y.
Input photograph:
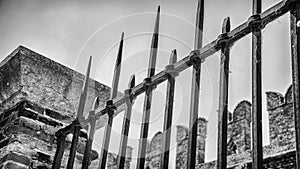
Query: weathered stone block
{"type": "Point", "coordinates": [25, 74]}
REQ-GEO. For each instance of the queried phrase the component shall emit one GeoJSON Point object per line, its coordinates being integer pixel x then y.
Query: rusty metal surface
{"type": "Point", "coordinates": [74, 143]}
{"type": "Point", "coordinates": [223, 100]}
{"type": "Point", "coordinates": [295, 53]}
{"type": "Point", "coordinates": [257, 148]}
{"type": "Point", "coordinates": [195, 90]}
{"type": "Point", "coordinates": [61, 143]}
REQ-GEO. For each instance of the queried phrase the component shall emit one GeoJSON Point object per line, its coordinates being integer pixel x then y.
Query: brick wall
{"type": "Point", "coordinates": [182, 143]}
{"type": "Point", "coordinates": [27, 137]}
{"type": "Point", "coordinates": [39, 96]}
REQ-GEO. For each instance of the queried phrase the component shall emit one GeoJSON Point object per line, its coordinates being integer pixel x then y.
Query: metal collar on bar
{"type": "Point", "coordinates": [223, 39]}
{"type": "Point", "coordinates": [254, 22]}
{"type": "Point", "coordinates": [147, 84]}
{"type": "Point", "coordinates": [76, 123]}
{"type": "Point", "coordinates": [194, 57]}
{"type": "Point", "coordinates": [170, 71]}
{"type": "Point", "coordinates": [129, 94]}
{"type": "Point", "coordinates": [110, 107]}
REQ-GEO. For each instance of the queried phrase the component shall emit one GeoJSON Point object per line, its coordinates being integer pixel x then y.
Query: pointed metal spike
{"type": "Point", "coordinates": [117, 70]}
{"type": "Point", "coordinates": [131, 83]}
{"type": "Point", "coordinates": [226, 25]}
{"type": "Point", "coordinates": [173, 57]}
{"type": "Point", "coordinates": [154, 46]}
{"type": "Point", "coordinates": [156, 26]}
{"type": "Point", "coordinates": [96, 102]}
{"type": "Point", "coordinates": [199, 25]}
{"type": "Point", "coordinates": [84, 91]}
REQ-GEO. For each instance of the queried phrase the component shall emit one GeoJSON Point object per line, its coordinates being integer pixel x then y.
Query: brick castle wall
{"type": "Point", "coordinates": [38, 97]}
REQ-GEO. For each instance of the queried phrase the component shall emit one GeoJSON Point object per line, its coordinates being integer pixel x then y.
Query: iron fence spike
{"type": "Point", "coordinates": [96, 103]}
{"type": "Point", "coordinates": [117, 70]}
{"type": "Point", "coordinates": [84, 91]}
{"type": "Point", "coordinates": [199, 25]}
{"type": "Point", "coordinates": [226, 25]}
{"type": "Point", "coordinates": [131, 83]}
{"type": "Point", "coordinates": [154, 45]}
{"type": "Point", "coordinates": [173, 57]}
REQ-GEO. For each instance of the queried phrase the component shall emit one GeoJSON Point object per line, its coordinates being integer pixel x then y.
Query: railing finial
{"type": "Point", "coordinates": [84, 91]}
{"type": "Point", "coordinates": [131, 83]}
{"type": "Point", "coordinates": [226, 25]}
{"type": "Point", "coordinates": [117, 70]}
{"type": "Point", "coordinates": [96, 102]}
{"type": "Point", "coordinates": [173, 56]}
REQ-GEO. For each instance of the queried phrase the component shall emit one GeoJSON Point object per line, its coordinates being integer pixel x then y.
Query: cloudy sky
{"type": "Point", "coordinates": [70, 31]}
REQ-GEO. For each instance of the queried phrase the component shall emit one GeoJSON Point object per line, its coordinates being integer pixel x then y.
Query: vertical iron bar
{"type": "Point", "coordinates": [109, 103]}
{"type": "Point", "coordinates": [148, 96]}
{"type": "Point", "coordinates": [257, 153]}
{"type": "Point", "coordinates": [76, 122]}
{"type": "Point", "coordinates": [193, 121]}
{"type": "Point", "coordinates": [295, 49]}
{"type": "Point", "coordinates": [107, 133]}
{"type": "Point", "coordinates": [223, 100]}
{"type": "Point", "coordinates": [61, 140]}
{"type": "Point", "coordinates": [168, 113]}
{"type": "Point", "coordinates": [89, 142]}
{"type": "Point", "coordinates": [126, 124]}
{"type": "Point", "coordinates": [73, 148]}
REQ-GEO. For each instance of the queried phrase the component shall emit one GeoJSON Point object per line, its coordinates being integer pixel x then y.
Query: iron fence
{"type": "Point", "coordinates": [224, 42]}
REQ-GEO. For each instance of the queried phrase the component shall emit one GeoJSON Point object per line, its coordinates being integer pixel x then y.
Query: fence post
{"type": "Point", "coordinates": [73, 148]}
{"type": "Point", "coordinates": [61, 143]}
{"type": "Point", "coordinates": [110, 107]}
{"type": "Point", "coordinates": [193, 122]}
{"type": "Point", "coordinates": [148, 96]}
{"type": "Point", "coordinates": [295, 49]}
{"type": "Point", "coordinates": [126, 123]}
{"type": "Point", "coordinates": [76, 122]}
{"type": "Point", "coordinates": [89, 142]}
{"type": "Point", "coordinates": [223, 99]}
{"type": "Point", "coordinates": [168, 110]}
{"type": "Point", "coordinates": [257, 149]}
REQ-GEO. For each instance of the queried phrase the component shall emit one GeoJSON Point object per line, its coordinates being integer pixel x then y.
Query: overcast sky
{"type": "Point", "coordinates": [70, 31]}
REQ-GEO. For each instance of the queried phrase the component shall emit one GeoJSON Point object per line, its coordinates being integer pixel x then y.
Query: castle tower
{"type": "Point", "coordinates": [281, 120]}
{"type": "Point", "coordinates": [38, 97]}
{"type": "Point", "coordinates": [182, 143]}
{"type": "Point", "coordinates": [239, 129]}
